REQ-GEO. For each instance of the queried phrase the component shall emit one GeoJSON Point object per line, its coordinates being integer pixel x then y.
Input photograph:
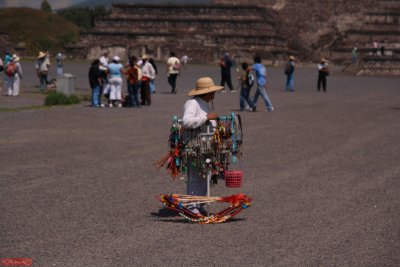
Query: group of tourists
{"type": "Point", "coordinates": [105, 78]}
{"type": "Point", "coordinates": [247, 80]}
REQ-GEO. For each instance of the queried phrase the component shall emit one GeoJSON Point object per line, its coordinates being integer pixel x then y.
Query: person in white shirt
{"type": "Point", "coordinates": [15, 80]}
{"type": "Point", "coordinates": [197, 113]}
{"type": "Point", "coordinates": [148, 74]}
{"type": "Point", "coordinates": [173, 69]}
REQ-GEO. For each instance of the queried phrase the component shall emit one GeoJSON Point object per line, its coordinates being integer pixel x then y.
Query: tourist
{"type": "Point", "coordinates": [7, 59]}
{"type": "Point", "coordinates": [104, 61]}
{"type": "Point", "coordinates": [59, 64]}
{"type": "Point", "coordinates": [226, 64]}
{"type": "Point", "coordinates": [382, 47]}
{"type": "Point", "coordinates": [323, 71]}
{"type": "Point", "coordinates": [246, 81]}
{"type": "Point", "coordinates": [196, 113]}
{"type": "Point", "coordinates": [1, 69]}
{"type": "Point", "coordinates": [148, 74]}
{"type": "Point", "coordinates": [96, 83]}
{"type": "Point", "coordinates": [375, 44]}
{"type": "Point", "coordinates": [152, 83]}
{"type": "Point", "coordinates": [261, 75]}
{"type": "Point", "coordinates": [14, 73]}
{"type": "Point", "coordinates": [42, 69]}
{"type": "Point", "coordinates": [289, 71]}
{"type": "Point", "coordinates": [134, 75]}
{"type": "Point", "coordinates": [173, 69]}
{"type": "Point", "coordinates": [354, 55]}
{"type": "Point", "coordinates": [115, 80]}
{"type": "Point", "coordinates": [184, 61]}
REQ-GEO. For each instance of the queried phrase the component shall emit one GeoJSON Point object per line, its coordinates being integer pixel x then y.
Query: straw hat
{"type": "Point", "coordinates": [116, 58]}
{"type": "Point", "coordinates": [323, 60]}
{"type": "Point", "coordinates": [41, 54]}
{"type": "Point", "coordinates": [292, 58]}
{"type": "Point", "coordinates": [15, 58]}
{"type": "Point", "coordinates": [203, 86]}
{"type": "Point", "coordinates": [145, 56]}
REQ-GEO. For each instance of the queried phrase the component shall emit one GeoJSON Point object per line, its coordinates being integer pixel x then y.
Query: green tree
{"type": "Point", "coordinates": [45, 6]}
{"type": "Point", "coordinates": [84, 17]}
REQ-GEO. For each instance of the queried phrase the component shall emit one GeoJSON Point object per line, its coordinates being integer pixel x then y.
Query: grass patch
{"type": "Point", "coordinates": [58, 98]}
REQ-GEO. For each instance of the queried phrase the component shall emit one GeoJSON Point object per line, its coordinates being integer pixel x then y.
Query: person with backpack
{"type": "Point", "coordinates": [247, 81]}
{"type": "Point", "coordinates": [14, 72]}
{"type": "Point", "coordinates": [289, 72]}
{"type": "Point", "coordinates": [173, 70]}
{"type": "Point", "coordinates": [7, 59]}
{"type": "Point", "coordinates": [261, 73]}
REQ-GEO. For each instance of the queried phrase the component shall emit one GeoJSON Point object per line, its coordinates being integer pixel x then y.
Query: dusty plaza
{"type": "Point", "coordinates": [78, 186]}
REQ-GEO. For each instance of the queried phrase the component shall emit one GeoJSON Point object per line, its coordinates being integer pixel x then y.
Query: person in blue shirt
{"type": "Point", "coordinates": [114, 72]}
{"type": "Point", "coordinates": [261, 74]}
{"type": "Point", "coordinates": [289, 71]}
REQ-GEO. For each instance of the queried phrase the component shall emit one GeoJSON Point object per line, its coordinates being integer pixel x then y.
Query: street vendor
{"type": "Point", "coordinates": [196, 113]}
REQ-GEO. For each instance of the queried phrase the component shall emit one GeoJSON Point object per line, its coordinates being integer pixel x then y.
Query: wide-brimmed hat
{"type": "Point", "coordinates": [15, 58]}
{"type": "Point", "coordinates": [41, 54]}
{"type": "Point", "coordinates": [204, 85]}
{"type": "Point", "coordinates": [145, 56]}
{"type": "Point", "coordinates": [323, 60]}
{"type": "Point", "coordinates": [116, 58]}
{"type": "Point", "coordinates": [292, 58]}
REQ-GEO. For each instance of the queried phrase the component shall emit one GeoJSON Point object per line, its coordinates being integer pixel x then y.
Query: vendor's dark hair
{"type": "Point", "coordinates": [95, 62]}
{"type": "Point", "coordinates": [245, 66]}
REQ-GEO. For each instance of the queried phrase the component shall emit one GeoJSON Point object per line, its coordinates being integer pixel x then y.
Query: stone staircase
{"type": "Point", "coordinates": [381, 22]}
{"type": "Point", "coordinates": [203, 32]}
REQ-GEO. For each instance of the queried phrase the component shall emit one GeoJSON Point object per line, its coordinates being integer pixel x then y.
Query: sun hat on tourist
{"type": "Point", "coordinates": [41, 55]}
{"type": "Point", "coordinates": [15, 58]}
{"type": "Point", "coordinates": [292, 58]}
{"type": "Point", "coordinates": [145, 56]}
{"type": "Point", "coordinates": [203, 86]}
{"type": "Point", "coordinates": [116, 58]}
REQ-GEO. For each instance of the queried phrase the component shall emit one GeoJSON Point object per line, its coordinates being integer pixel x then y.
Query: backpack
{"type": "Point", "coordinates": [176, 66]}
{"type": "Point", "coordinates": [11, 69]}
{"type": "Point", "coordinates": [250, 79]}
{"type": "Point", "coordinates": [288, 68]}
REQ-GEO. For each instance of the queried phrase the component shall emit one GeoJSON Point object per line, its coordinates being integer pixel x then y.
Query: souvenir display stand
{"type": "Point", "coordinates": [212, 150]}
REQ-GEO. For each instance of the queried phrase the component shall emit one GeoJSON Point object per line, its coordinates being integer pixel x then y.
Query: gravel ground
{"type": "Point", "coordinates": [77, 184]}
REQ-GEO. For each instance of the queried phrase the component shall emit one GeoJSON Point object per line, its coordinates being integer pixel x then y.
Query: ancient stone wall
{"type": "Point", "coordinates": [204, 32]}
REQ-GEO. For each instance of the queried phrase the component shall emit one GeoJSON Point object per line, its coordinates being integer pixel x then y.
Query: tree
{"type": "Point", "coordinates": [45, 6]}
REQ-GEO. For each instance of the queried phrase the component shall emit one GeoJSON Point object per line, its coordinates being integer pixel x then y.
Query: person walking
{"type": "Point", "coordinates": [322, 73]}
{"type": "Point", "coordinates": [114, 72]}
{"type": "Point", "coordinates": [173, 70]}
{"type": "Point", "coordinates": [289, 71]}
{"type": "Point", "coordinates": [148, 74]}
{"type": "Point", "coordinates": [354, 55]}
{"type": "Point", "coordinates": [96, 83]}
{"type": "Point", "coordinates": [196, 114]}
{"type": "Point", "coordinates": [246, 81]}
{"type": "Point", "coordinates": [14, 73]}
{"type": "Point", "coordinates": [261, 74]}
{"type": "Point", "coordinates": [226, 64]}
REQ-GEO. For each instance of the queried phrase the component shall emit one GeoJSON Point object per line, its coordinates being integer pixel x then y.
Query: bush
{"type": "Point", "coordinates": [58, 98]}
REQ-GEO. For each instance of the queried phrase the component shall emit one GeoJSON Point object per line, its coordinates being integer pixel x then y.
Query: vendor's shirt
{"type": "Point", "coordinates": [195, 113]}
